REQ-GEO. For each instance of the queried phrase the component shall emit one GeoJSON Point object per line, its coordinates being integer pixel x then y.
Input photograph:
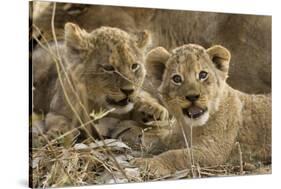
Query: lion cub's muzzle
{"type": "Point", "coordinates": [194, 111]}
{"type": "Point", "coordinates": [123, 102]}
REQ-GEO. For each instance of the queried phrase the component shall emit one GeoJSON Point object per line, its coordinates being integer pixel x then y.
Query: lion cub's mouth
{"type": "Point", "coordinates": [194, 111]}
{"type": "Point", "coordinates": [123, 102]}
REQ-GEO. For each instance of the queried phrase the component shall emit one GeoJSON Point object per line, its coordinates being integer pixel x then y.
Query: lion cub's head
{"type": "Point", "coordinates": [110, 62]}
{"type": "Point", "coordinates": [190, 79]}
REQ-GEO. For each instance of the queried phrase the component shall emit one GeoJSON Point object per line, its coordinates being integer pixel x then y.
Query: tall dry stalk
{"type": "Point", "coordinates": [89, 134]}
{"type": "Point", "coordinates": [187, 131]}
{"type": "Point", "coordinates": [240, 157]}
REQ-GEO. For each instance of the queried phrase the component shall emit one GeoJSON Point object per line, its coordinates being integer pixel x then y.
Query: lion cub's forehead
{"type": "Point", "coordinates": [187, 60]}
{"type": "Point", "coordinates": [111, 36]}
{"type": "Point", "coordinates": [188, 53]}
{"type": "Point", "coordinates": [121, 47]}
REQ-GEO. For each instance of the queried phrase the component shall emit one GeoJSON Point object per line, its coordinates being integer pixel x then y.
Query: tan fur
{"type": "Point", "coordinates": [233, 116]}
{"type": "Point", "coordinates": [106, 70]}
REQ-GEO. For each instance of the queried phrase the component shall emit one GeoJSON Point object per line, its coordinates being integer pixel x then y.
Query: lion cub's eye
{"type": "Point", "coordinates": [203, 75]}
{"type": "Point", "coordinates": [135, 67]}
{"type": "Point", "coordinates": [177, 79]}
{"type": "Point", "coordinates": [108, 68]}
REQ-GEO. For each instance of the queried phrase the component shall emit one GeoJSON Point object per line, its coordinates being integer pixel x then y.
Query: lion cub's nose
{"type": "Point", "coordinates": [192, 98]}
{"type": "Point", "coordinates": [127, 92]}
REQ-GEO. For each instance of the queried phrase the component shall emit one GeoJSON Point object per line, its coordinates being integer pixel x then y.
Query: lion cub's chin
{"type": "Point", "coordinates": [122, 109]}
{"type": "Point", "coordinates": [200, 121]}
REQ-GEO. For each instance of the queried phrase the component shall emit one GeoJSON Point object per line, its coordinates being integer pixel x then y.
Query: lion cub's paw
{"type": "Point", "coordinates": [153, 112]}
{"type": "Point", "coordinates": [57, 128]}
{"type": "Point", "coordinates": [152, 166]}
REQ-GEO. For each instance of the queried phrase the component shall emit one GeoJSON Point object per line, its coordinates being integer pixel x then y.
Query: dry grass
{"type": "Point", "coordinates": [85, 164]}
{"type": "Point", "coordinates": [81, 164]}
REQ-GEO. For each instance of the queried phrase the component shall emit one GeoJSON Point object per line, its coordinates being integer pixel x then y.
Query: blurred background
{"type": "Point", "coordinates": [248, 37]}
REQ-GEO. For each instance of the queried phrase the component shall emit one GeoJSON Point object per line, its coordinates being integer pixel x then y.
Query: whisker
{"type": "Point", "coordinates": [91, 73]}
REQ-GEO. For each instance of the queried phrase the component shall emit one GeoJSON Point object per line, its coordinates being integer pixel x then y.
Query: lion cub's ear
{"type": "Point", "coordinates": [220, 57]}
{"type": "Point", "coordinates": [75, 37]}
{"type": "Point", "coordinates": [142, 39]}
{"type": "Point", "coordinates": [156, 64]}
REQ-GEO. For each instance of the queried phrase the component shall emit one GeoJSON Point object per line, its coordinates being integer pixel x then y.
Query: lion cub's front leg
{"type": "Point", "coordinates": [166, 163]}
{"type": "Point", "coordinates": [150, 109]}
{"type": "Point", "coordinates": [57, 125]}
{"type": "Point", "coordinates": [206, 151]}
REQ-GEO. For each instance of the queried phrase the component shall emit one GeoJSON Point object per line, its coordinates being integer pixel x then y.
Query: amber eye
{"type": "Point", "coordinates": [177, 79]}
{"type": "Point", "coordinates": [108, 68]}
{"type": "Point", "coordinates": [135, 67]}
{"type": "Point", "coordinates": [203, 75]}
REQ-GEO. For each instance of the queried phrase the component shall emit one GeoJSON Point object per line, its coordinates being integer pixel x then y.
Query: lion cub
{"type": "Point", "coordinates": [192, 84]}
{"type": "Point", "coordinates": [104, 70]}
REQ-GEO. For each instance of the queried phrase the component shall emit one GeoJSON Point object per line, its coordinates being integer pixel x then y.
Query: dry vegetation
{"type": "Point", "coordinates": [62, 163]}
{"type": "Point", "coordinates": [59, 160]}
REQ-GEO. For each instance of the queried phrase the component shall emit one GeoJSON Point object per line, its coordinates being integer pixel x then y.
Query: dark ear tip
{"type": "Point", "coordinates": [143, 38]}
{"type": "Point", "coordinates": [144, 33]}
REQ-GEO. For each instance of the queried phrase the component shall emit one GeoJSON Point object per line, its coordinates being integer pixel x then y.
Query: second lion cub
{"type": "Point", "coordinates": [192, 84]}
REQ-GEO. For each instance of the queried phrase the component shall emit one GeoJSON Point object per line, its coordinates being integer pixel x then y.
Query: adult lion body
{"type": "Point", "coordinates": [248, 37]}
{"type": "Point", "coordinates": [192, 83]}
